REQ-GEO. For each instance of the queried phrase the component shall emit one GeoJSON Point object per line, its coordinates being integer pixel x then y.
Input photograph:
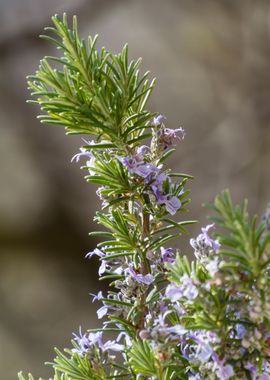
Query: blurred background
{"type": "Point", "coordinates": [212, 61]}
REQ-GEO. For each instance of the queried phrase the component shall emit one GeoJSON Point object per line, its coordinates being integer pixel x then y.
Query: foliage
{"type": "Point", "coordinates": [96, 93]}
{"type": "Point", "coordinates": [172, 319]}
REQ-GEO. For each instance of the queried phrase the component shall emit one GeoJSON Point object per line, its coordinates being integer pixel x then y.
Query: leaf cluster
{"type": "Point", "coordinates": [225, 300]}
{"type": "Point", "coordinates": [244, 241]}
{"type": "Point", "coordinates": [90, 91]}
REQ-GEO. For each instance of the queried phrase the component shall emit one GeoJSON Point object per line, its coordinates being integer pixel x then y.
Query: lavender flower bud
{"type": "Point", "coordinates": [144, 334]}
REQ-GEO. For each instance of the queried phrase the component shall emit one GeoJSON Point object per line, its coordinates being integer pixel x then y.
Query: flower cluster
{"type": "Point", "coordinates": [233, 311]}
{"type": "Point", "coordinates": [85, 342]}
{"type": "Point", "coordinates": [156, 182]}
{"type": "Point", "coordinates": [148, 179]}
{"type": "Point", "coordinates": [235, 341]}
{"type": "Point", "coordinates": [232, 340]}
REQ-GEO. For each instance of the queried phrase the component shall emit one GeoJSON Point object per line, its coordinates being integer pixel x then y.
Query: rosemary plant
{"type": "Point", "coordinates": [209, 319]}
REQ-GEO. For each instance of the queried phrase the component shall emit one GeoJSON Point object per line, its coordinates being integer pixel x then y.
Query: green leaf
{"type": "Point", "coordinates": [23, 377]}
{"type": "Point", "coordinates": [76, 367]}
{"type": "Point", "coordinates": [242, 240]}
{"type": "Point", "coordinates": [142, 359]}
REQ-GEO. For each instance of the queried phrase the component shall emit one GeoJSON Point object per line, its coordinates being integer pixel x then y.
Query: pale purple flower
{"type": "Point", "coordinates": [160, 179]}
{"type": "Point", "coordinates": [146, 170]}
{"type": "Point", "coordinates": [130, 162]}
{"type": "Point", "coordinates": [223, 371]}
{"type": "Point", "coordinates": [187, 289]}
{"type": "Point", "coordinates": [112, 345]}
{"type": "Point", "coordinates": [101, 312]}
{"type": "Point", "coordinates": [158, 192]}
{"type": "Point", "coordinates": [97, 297]}
{"type": "Point", "coordinates": [158, 120]}
{"type": "Point", "coordinates": [142, 279]}
{"type": "Point", "coordinates": [167, 255]}
{"type": "Point", "coordinates": [252, 369]}
{"type": "Point", "coordinates": [175, 293]}
{"type": "Point", "coordinates": [102, 268]}
{"type": "Point", "coordinates": [160, 320]}
{"type": "Point", "coordinates": [157, 186]}
{"type": "Point", "coordinates": [109, 345]}
{"type": "Point", "coordinates": [204, 352]}
{"type": "Point", "coordinates": [203, 245]}
{"type": "Point", "coordinates": [95, 338]}
{"type": "Point", "coordinates": [213, 266]}
{"type": "Point", "coordinates": [136, 165]}
{"type": "Point", "coordinates": [83, 153]}
{"type": "Point", "coordinates": [83, 343]}
{"type": "Point", "coordinates": [240, 331]}
{"type": "Point", "coordinates": [214, 244]}
{"type": "Point", "coordinates": [96, 252]}
{"type": "Point", "coordinates": [179, 309]}
{"type": "Point", "coordinates": [264, 376]}
{"type": "Point", "coordinates": [162, 306]}
{"type": "Point", "coordinates": [198, 350]}
{"type": "Point", "coordinates": [126, 337]}
{"type": "Point", "coordinates": [86, 341]}
{"type": "Point", "coordinates": [190, 291]}
{"type": "Point", "coordinates": [142, 150]}
{"type": "Point", "coordinates": [203, 349]}
{"type": "Point", "coordinates": [177, 329]}
{"type": "Point", "coordinates": [170, 136]}
{"type": "Point", "coordinates": [172, 204]}
{"type": "Point", "coordinates": [162, 327]}
{"type": "Point", "coordinates": [100, 254]}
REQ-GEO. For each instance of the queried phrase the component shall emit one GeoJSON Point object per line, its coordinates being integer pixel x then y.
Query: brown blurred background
{"type": "Point", "coordinates": [212, 61]}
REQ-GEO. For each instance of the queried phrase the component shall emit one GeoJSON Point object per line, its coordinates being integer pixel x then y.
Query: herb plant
{"type": "Point", "coordinates": [171, 319]}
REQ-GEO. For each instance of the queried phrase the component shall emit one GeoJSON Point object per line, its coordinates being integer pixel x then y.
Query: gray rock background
{"type": "Point", "coordinates": [212, 62]}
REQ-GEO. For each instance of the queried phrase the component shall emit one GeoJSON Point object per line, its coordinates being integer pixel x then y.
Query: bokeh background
{"type": "Point", "coordinates": [212, 61]}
